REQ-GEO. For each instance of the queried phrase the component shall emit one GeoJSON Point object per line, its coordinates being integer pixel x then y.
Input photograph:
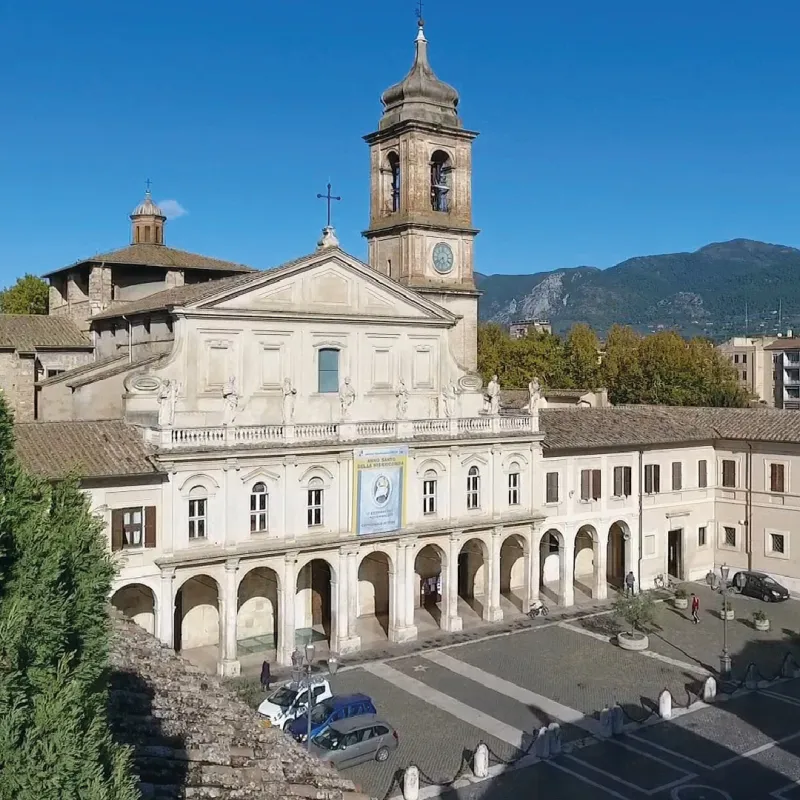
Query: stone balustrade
{"type": "Point", "coordinates": [177, 438]}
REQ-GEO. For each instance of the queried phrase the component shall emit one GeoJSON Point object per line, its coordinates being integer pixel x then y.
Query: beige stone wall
{"type": "Point", "coordinates": [17, 378]}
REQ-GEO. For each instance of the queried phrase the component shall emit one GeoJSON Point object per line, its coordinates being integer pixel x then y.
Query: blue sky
{"type": "Point", "coordinates": [608, 130]}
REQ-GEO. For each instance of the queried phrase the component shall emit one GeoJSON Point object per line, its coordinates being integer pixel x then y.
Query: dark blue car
{"type": "Point", "coordinates": [333, 709]}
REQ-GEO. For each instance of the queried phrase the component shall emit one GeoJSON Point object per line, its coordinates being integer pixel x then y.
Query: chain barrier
{"type": "Point", "coordinates": [496, 759]}
{"type": "Point", "coordinates": [463, 769]}
{"type": "Point", "coordinates": [397, 783]}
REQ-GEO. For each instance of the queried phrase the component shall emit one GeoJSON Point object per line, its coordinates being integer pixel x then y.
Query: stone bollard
{"type": "Point", "coordinates": [411, 783]}
{"type": "Point", "coordinates": [480, 761]}
{"type": "Point", "coordinates": [554, 735]}
{"type": "Point", "coordinates": [605, 724]}
{"type": "Point", "coordinates": [751, 677]}
{"type": "Point", "coordinates": [542, 746]}
{"type": "Point", "coordinates": [790, 669]}
{"type": "Point", "coordinates": [665, 705]}
{"type": "Point", "coordinates": [617, 721]}
{"type": "Point", "coordinates": [709, 689]}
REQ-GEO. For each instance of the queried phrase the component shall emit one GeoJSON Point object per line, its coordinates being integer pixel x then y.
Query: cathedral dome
{"type": "Point", "coordinates": [420, 95]}
{"type": "Point", "coordinates": [147, 208]}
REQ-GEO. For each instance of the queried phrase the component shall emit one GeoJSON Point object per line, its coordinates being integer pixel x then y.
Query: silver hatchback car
{"type": "Point", "coordinates": [352, 741]}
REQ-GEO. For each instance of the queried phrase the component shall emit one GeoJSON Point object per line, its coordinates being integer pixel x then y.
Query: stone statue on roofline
{"type": "Point", "coordinates": [402, 400]}
{"type": "Point", "coordinates": [347, 396]}
{"type": "Point", "coordinates": [449, 400]}
{"type": "Point", "coordinates": [535, 397]}
{"type": "Point", "coordinates": [230, 397]}
{"type": "Point", "coordinates": [167, 402]}
{"type": "Point", "coordinates": [289, 397]}
{"type": "Point", "coordinates": [491, 398]}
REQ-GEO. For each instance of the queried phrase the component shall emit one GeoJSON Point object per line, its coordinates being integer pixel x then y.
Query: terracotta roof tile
{"type": "Point", "coordinates": [90, 449]}
{"type": "Point", "coordinates": [635, 426]}
{"type": "Point", "coordinates": [159, 255]}
{"type": "Point", "coordinates": [26, 332]}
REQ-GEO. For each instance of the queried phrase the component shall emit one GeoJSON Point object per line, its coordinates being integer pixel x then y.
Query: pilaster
{"type": "Point", "coordinates": [348, 640]}
{"type": "Point", "coordinates": [401, 609]}
{"type": "Point", "coordinates": [166, 608]}
{"type": "Point", "coordinates": [286, 609]}
{"type": "Point", "coordinates": [600, 588]}
{"type": "Point", "coordinates": [566, 571]}
{"type": "Point", "coordinates": [451, 621]}
{"type": "Point", "coordinates": [229, 665]}
{"type": "Point", "coordinates": [534, 567]}
{"type": "Point", "coordinates": [491, 610]}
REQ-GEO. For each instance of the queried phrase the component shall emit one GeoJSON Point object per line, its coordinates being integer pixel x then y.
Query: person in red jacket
{"type": "Point", "coordinates": [695, 608]}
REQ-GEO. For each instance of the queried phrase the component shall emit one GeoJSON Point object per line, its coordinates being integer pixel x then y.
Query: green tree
{"type": "Point", "coordinates": [516, 361]}
{"type": "Point", "coordinates": [29, 295]}
{"type": "Point", "coordinates": [54, 638]}
{"type": "Point", "coordinates": [638, 611]}
{"type": "Point", "coordinates": [582, 349]}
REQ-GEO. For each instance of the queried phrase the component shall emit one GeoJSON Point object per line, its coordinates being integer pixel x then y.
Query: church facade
{"type": "Point", "coordinates": [309, 453]}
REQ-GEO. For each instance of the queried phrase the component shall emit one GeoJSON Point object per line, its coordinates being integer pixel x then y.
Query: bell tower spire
{"type": "Point", "coordinates": [420, 228]}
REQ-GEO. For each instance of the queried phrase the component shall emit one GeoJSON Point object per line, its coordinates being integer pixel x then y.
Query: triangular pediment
{"type": "Point", "coordinates": [328, 284]}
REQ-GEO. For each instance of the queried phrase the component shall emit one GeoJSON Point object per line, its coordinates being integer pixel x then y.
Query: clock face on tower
{"type": "Point", "coordinates": [442, 258]}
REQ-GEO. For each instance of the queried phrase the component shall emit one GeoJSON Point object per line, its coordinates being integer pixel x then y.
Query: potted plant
{"type": "Point", "coordinates": [639, 612]}
{"type": "Point", "coordinates": [727, 611]}
{"type": "Point", "coordinates": [760, 620]}
{"type": "Point", "coordinates": [681, 599]}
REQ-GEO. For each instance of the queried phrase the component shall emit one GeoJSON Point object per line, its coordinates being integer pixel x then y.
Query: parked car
{"type": "Point", "coordinates": [331, 710]}
{"type": "Point", "coordinates": [355, 740]}
{"type": "Point", "coordinates": [759, 584]}
{"type": "Point", "coordinates": [281, 708]}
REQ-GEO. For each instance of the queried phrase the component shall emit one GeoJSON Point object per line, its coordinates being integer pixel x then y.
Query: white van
{"type": "Point", "coordinates": [284, 705]}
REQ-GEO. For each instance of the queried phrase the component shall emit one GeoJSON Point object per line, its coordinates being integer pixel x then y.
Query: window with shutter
{"type": "Point", "coordinates": [677, 476]}
{"type": "Point", "coordinates": [729, 474]}
{"type": "Point", "coordinates": [596, 484]}
{"type": "Point", "coordinates": [652, 479]}
{"type": "Point", "coordinates": [627, 476]}
{"type": "Point", "coordinates": [116, 529]}
{"type": "Point", "coordinates": [776, 478]}
{"type": "Point", "coordinates": [552, 488]}
{"type": "Point", "coordinates": [702, 474]}
{"type": "Point", "coordinates": [150, 526]}
{"type": "Point", "coordinates": [586, 484]}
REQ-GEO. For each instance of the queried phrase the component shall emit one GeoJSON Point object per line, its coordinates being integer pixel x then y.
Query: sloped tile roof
{"type": "Point", "coordinates": [83, 369]}
{"type": "Point", "coordinates": [114, 368]}
{"type": "Point", "coordinates": [26, 332]}
{"type": "Point", "coordinates": [180, 295]}
{"type": "Point", "coordinates": [90, 449]}
{"type": "Point", "coordinates": [159, 255]}
{"type": "Point", "coordinates": [641, 426]}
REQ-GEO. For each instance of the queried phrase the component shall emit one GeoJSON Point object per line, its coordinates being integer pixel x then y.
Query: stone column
{"type": "Point", "coordinates": [451, 621]}
{"type": "Point", "coordinates": [600, 587]}
{"type": "Point", "coordinates": [287, 595]}
{"type": "Point", "coordinates": [534, 566]}
{"type": "Point", "coordinates": [401, 595]}
{"type": "Point", "coordinates": [229, 666]}
{"type": "Point", "coordinates": [566, 571]}
{"type": "Point", "coordinates": [491, 608]}
{"type": "Point", "coordinates": [165, 624]}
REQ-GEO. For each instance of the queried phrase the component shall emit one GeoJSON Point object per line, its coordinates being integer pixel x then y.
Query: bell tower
{"type": "Point", "coordinates": [420, 229]}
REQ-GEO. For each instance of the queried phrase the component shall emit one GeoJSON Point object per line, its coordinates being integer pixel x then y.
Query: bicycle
{"type": "Point", "coordinates": [540, 610]}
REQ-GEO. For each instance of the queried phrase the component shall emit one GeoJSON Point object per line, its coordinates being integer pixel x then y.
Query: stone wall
{"type": "Point", "coordinates": [192, 738]}
{"type": "Point", "coordinates": [17, 377]}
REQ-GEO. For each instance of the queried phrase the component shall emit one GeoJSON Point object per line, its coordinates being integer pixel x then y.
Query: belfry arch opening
{"type": "Point", "coordinates": [441, 181]}
{"type": "Point", "coordinates": [392, 177]}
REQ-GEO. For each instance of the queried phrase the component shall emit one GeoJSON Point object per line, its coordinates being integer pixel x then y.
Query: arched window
{"type": "Point", "coordinates": [429, 487]}
{"type": "Point", "coordinates": [198, 513]}
{"type": "Point", "coordinates": [393, 163]}
{"type": "Point", "coordinates": [259, 509]}
{"type": "Point", "coordinates": [328, 370]}
{"type": "Point", "coordinates": [513, 484]}
{"type": "Point", "coordinates": [147, 233]}
{"type": "Point", "coordinates": [473, 488]}
{"type": "Point", "coordinates": [316, 494]}
{"type": "Point", "coordinates": [441, 172]}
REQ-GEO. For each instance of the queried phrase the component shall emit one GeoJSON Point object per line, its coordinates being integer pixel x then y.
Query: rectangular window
{"type": "Point", "coordinates": [590, 484]}
{"type": "Point", "coordinates": [314, 507]}
{"type": "Point", "coordinates": [51, 373]}
{"type": "Point", "coordinates": [701, 537]}
{"type": "Point", "coordinates": [429, 496]}
{"type": "Point", "coordinates": [132, 527]}
{"type": "Point", "coordinates": [777, 544]}
{"type": "Point", "coordinates": [198, 510]}
{"type": "Point", "coordinates": [744, 375]}
{"type": "Point", "coordinates": [650, 545]}
{"type": "Point", "coordinates": [729, 474]}
{"type": "Point", "coordinates": [744, 358]}
{"type": "Point", "coordinates": [328, 370]}
{"type": "Point", "coordinates": [551, 487]}
{"type": "Point", "coordinates": [702, 473]}
{"type": "Point", "coordinates": [677, 476]}
{"type": "Point", "coordinates": [736, 358]}
{"type": "Point", "coordinates": [776, 478]}
{"type": "Point", "coordinates": [652, 478]}
{"type": "Point", "coordinates": [730, 537]}
{"type": "Point", "coordinates": [622, 481]}
{"type": "Point", "coordinates": [513, 488]}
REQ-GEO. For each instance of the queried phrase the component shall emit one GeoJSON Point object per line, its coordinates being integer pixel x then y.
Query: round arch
{"type": "Point", "coordinates": [375, 569]}
{"type": "Point", "coordinates": [586, 561]}
{"type": "Point", "coordinates": [314, 600]}
{"type": "Point", "coordinates": [618, 554]}
{"type": "Point", "coordinates": [473, 575]}
{"type": "Point", "coordinates": [514, 563]}
{"type": "Point", "coordinates": [197, 612]}
{"type": "Point", "coordinates": [139, 603]}
{"type": "Point", "coordinates": [430, 568]}
{"type": "Point", "coordinates": [551, 547]}
{"type": "Point", "coordinates": [257, 609]}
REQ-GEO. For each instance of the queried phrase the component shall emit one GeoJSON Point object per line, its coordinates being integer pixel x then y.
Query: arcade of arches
{"type": "Point", "coordinates": [395, 591]}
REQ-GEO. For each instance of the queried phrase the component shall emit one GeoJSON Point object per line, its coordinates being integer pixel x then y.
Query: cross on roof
{"type": "Point", "coordinates": [147, 184]}
{"type": "Point", "coordinates": [329, 197]}
{"type": "Point", "coordinates": [419, 10]}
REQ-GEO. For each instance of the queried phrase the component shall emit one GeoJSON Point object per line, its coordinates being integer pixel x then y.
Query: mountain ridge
{"type": "Point", "coordinates": [704, 292]}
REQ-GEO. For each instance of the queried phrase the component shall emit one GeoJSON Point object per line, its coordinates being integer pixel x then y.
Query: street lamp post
{"type": "Point", "coordinates": [724, 587]}
{"type": "Point", "coordinates": [302, 667]}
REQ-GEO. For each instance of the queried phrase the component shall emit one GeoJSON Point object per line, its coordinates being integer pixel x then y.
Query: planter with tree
{"type": "Point", "coordinates": [639, 613]}
{"type": "Point", "coordinates": [681, 598]}
{"type": "Point", "coordinates": [760, 620]}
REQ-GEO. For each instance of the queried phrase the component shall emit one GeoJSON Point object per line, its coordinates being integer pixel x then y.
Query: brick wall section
{"type": "Point", "coordinates": [100, 291]}
{"type": "Point", "coordinates": [192, 737]}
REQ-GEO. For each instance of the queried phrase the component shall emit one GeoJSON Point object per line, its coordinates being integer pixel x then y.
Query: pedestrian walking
{"type": "Point", "coordinates": [695, 608]}
{"type": "Point", "coordinates": [630, 583]}
{"type": "Point", "coordinates": [265, 676]}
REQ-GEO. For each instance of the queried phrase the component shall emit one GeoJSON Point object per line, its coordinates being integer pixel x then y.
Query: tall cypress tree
{"type": "Point", "coordinates": [55, 575]}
